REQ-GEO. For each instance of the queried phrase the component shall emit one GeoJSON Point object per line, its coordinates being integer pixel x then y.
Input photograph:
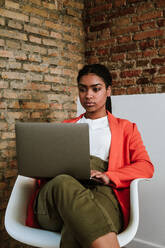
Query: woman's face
{"type": "Point", "coordinates": [93, 95]}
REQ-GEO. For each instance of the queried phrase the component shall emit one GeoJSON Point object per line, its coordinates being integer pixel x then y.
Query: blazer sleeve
{"type": "Point", "coordinates": [139, 165]}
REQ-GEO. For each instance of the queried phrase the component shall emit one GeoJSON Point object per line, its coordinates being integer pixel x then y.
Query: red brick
{"type": "Point", "coordinates": [126, 82]}
{"type": "Point", "coordinates": [158, 61]}
{"type": "Point", "coordinates": [134, 1]}
{"type": "Point", "coordinates": [161, 42]}
{"type": "Point", "coordinates": [149, 25]}
{"type": "Point", "coordinates": [134, 55]}
{"type": "Point", "coordinates": [145, 7]}
{"type": "Point", "coordinates": [124, 39]}
{"type": "Point", "coordinates": [160, 3]}
{"type": "Point", "coordinates": [143, 80]}
{"type": "Point", "coordinates": [11, 173]}
{"type": "Point", "coordinates": [35, 105]}
{"type": "Point", "coordinates": [122, 12]}
{"type": "Point", "coordinates": [150, 53]}
{"type": "Point", "coordinates": [102, 43]}
{"type": "Point", "coordinates": [126, 30]}
{"type": "Point", "coordinates": [161, 23]}
{"type": "Point", "coordinates": [147, 44]}
{"type": "Point", "coordinates": [133, 73]}
{"type": "Point", "coordinates": [3, 164]}
{"type": "Point", "coordinates": [119, 3]}
{"type": "Point", "coordinates": [119, 91]}
{"type": "Point", "coordinates": [122, 21]}
{"type": "Point", "coordinates": [148, 89]}
{"type": "Point", "coordinates": [159, 80]}
{"type": "Point", "coordinates": [162, 70]}
{"type": "Point", "coordinates": [75, 5]}
{"type": "Point", "coordinates": [97, 9]}
{"type": "Point", "coordinates": [148, 16]}
{"type": "Point", "coordinates": [123, 48]}
{"type": "Point", "coordinates": [117, 57]}
{"type": "Point", "coordinates": [3, 186]}
{"type": "Point", "coordinates": [150, 71]}
{"type": "Point", "coordinates": [102, 52]}
{"type": "Point", "coordinates": [148, 34]}
{"type": "Point", "coordinates": [142, 63]}
{"type": "Point", "coordinates": [162, 51]}
{"type": "Point", "coordinates": [133, 90]}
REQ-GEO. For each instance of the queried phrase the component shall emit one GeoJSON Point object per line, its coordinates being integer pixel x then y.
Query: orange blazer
{"type": "Point", "coordinates": [128, 159]}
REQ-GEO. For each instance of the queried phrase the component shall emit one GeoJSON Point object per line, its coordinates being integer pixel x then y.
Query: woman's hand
{"type": "Point", "coordinates": [100, 175]}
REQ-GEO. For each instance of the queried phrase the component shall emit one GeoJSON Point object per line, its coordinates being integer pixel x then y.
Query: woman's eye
{"type": "Point", "coordinates": [81, 89]}
{"type": "Point", "coordinates": [96, 89]}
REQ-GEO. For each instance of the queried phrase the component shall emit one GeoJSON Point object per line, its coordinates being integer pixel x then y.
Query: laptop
{"type": "Point", "coordinates": [45, 150]}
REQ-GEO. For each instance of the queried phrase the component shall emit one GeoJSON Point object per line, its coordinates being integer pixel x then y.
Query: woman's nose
{"type": "Point", "coordinates": [89, 94]}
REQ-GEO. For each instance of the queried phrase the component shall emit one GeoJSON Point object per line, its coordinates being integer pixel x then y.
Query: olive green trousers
{"type": "Point", "coordinates": [82, 212]}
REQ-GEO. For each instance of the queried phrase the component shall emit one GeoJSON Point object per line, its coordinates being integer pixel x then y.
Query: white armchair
{"type": "Point", "coordinates": [15, 217]}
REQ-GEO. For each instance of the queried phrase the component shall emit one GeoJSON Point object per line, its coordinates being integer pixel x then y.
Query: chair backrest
{"type": "Point", "coordinates": [148, 111]}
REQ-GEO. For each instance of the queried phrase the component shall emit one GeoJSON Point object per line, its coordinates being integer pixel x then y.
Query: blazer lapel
{"type": "Point", "coordinates": [115, 141]}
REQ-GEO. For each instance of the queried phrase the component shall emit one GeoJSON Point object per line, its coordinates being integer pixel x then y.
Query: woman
{"type": "Point", "coordinates": [91, 214]}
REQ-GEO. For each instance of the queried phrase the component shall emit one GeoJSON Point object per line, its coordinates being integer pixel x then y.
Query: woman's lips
{"type": "Point", "coordinates": [89, 104]}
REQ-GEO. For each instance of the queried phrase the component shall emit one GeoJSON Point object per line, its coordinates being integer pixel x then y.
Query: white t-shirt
{"type": "Point", "coordinates": [99, 136]}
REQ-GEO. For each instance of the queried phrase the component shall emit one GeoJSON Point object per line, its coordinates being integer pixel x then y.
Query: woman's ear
{"type": "Point", "coordinates": [109, 91]}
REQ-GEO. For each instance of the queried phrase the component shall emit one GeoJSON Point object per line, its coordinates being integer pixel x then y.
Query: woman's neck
{"type": "Point", "coordinates": [94, 115]}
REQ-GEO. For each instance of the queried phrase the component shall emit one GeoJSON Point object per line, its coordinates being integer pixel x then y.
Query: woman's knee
{"type": "Point", "coordinates": [62, 181]}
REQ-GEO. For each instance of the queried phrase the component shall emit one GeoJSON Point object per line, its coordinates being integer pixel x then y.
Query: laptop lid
{"type": "Point", "coordinates": [50, 149]}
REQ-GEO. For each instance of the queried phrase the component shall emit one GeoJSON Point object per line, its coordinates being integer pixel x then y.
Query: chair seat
{"type": "Point", "coordinates": [15, 217]}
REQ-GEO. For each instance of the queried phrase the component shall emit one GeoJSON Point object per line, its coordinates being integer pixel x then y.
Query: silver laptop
{"type": "Point", "coordinates": [50, 149]}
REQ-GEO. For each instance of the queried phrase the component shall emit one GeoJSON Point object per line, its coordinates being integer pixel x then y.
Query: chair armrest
{"type": "Point", "coordinates": [15, 217]}
{"type": "Point", "coordinates": [129, 233]}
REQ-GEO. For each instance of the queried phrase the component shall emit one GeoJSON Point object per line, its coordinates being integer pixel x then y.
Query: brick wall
{"type": "Point", "coordinates": [129, 37]}
{"type": "Point", "coordinates": [41, 50]}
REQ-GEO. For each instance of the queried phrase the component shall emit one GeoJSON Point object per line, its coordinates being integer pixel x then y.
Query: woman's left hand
{"type": "Point", "coordinates": [100, 175]}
